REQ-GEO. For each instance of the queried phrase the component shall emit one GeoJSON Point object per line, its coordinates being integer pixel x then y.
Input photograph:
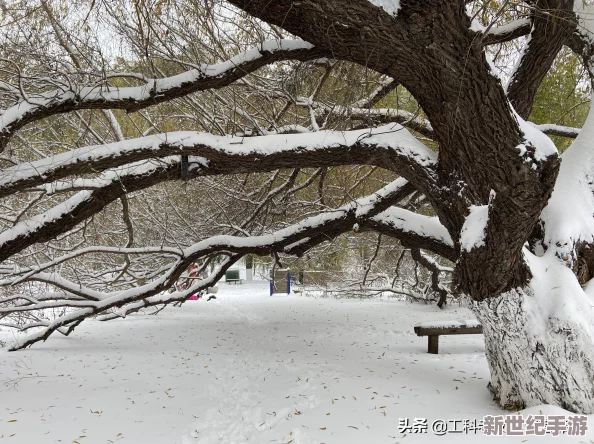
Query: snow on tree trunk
{"type": "Point", "coordinates": [539, 340]}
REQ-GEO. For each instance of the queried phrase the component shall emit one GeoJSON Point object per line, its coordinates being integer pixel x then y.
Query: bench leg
{"type": "Point", "coordinates": [433, 345]}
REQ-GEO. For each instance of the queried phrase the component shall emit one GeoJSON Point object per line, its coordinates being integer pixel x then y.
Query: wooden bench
{"type": "Point", "coordinates": [232, 276]}
{"type": "Point", "coordinates": [442, 328]}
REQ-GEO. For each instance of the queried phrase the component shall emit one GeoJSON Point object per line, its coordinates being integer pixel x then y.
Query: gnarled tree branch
{"type": "Point", "coordinates": [154, 91]}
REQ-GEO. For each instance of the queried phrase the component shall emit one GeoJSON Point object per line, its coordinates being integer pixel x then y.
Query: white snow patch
{"type": "Point", "coordinates": [475, 25]}
{"type": "Point", "coordinates": [569, 216]}
{"type": "Point", "coordinates": [542, 144]}
{"type": "Point", "coordinates": [493, 69]}
{"type": "Point", "coordinates": [557, 295]}
{"type": "Point", "coordinates": [474, 228]}
{"type": "Point", "coordinates": [544, 409]}
{"type": "Point", "coordinates": [390, 6]}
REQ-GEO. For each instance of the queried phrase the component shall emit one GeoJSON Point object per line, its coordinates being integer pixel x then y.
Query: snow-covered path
{"type": "Point", "coordinates": [248, 368]}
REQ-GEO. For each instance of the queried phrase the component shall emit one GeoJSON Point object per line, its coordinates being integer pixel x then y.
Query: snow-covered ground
{"type": "Point", "coordinates": [248, 368]}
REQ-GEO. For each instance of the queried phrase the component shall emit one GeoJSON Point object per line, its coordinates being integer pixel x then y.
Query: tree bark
{"type": "Point", "coordinates": [537, 359]}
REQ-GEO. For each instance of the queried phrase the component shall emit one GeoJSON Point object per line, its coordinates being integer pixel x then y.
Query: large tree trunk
{"type": "Point", "coordinates": [539, 341]}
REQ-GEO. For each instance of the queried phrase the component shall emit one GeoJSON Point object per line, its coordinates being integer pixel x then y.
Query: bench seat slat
{"type": "Point", "coordinates": [449, 323]}
{"type": "Point", "coordinates": [423, 331]}
{"type": "Point", "coordinates": [445, 328]}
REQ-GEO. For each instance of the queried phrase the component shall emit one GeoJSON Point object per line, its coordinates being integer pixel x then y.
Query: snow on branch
{"type": "Point", "coordinates": [507, 32]}
{"type": "Point", "coordinates": [84, 301]}
{"type": "Point", "coordinates": [391, 147]}
{"type": "Point", "coordinates": [386, 115]}
{"type": "Point", "coordinates": [141, 295]}
{"type": "Point", "coordinates": [362, 111]}
{"type": "Point", "coordinates": [152, 91]}
{"type": "Point", "coordinates": [410, 120]}
{"type": "Point", "coordinates": [346, 215]}
{"type": "Point", "coordinates": [94, 249]}
{"type": "Point", "coordinates": [66, 215]}
{"type": "Point", "coordinates": [394, 148]}
{"type": "Point", "coordinates": [558, 130]}
{"type": "Point", "coordinates": [390, 6]}
{"type": "Point", "coordinates": [357, 215]}
{"type": "Point", "coordinates": [385, 88]}
{"type": "Point", "coordinates": [414, 230]}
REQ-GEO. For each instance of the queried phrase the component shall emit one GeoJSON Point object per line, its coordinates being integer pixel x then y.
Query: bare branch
{"type": "Point", "coordinates": [381, 91]}
{"type": "Point", "coordinates": [154, 90]}
{"type": "Point", "coordinates": [391, 147]}
{"type": "Point", "coordinates": [505, 33]}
